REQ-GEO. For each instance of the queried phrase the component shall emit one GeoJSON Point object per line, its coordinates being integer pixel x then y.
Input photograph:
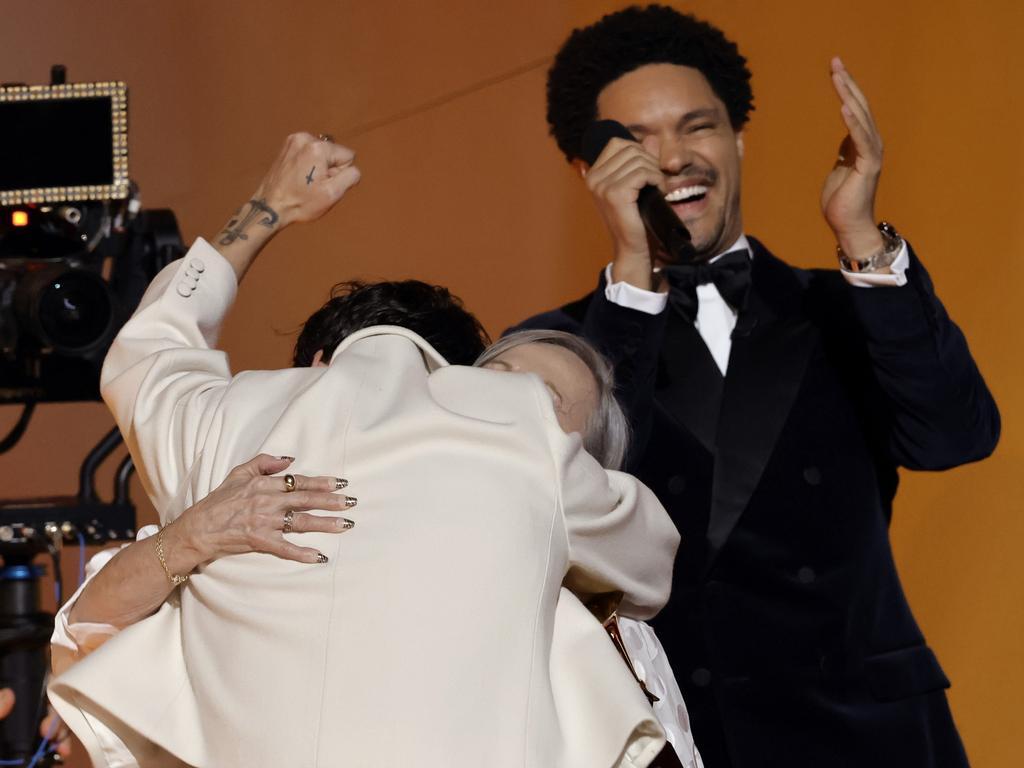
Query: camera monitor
{"type": "Point", "coordinates": [63, 142]}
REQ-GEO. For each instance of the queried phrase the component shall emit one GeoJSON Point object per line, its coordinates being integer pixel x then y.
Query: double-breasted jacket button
{"type": "Point", "coordinates": [191, 274]}
{"type": "Point", "coordinates": [812, 475]}
{"type": "Point", "coordinates": [806, 575]}
{"type": "Point", "coordinates": [701, 677]}
{"type": "Point", "coordinates": [197, 265]}
{"type": "Point", "coordinates": [676, 484]}
{"type": "Point", "coordinates": [184, 289]}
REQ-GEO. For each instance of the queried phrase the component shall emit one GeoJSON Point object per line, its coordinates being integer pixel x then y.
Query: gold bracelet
{"type": "Point", "coordinates": [174, 578]}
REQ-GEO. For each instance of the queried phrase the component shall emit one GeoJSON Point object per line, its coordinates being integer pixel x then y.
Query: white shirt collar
{"type": "Point", "coordinates": [740, 244]}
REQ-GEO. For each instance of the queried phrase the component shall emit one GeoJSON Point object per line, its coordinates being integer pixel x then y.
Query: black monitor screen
{"type": "Point", "coordinates": [56, 143]}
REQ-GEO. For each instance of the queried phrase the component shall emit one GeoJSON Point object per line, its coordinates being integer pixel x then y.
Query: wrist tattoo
{"type": "Point", "coordinates": [309, 178]}
{"type": "Point", "coordinates": [235, 229]}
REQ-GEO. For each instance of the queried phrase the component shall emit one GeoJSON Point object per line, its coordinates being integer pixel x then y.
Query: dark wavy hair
{"type": "Point", "coordinates": [428, 310]}
{"type": "Point", "coordinates": [620, 42]}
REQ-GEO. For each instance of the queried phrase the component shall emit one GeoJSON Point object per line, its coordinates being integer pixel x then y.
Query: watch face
{"type": "Point", "coordinates": [888, 231]}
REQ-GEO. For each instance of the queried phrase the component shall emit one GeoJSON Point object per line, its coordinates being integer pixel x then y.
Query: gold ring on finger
{"type": "Point", "coordinates": [289, 519]}
{"type": "Point", "coordinates": [289, 483]}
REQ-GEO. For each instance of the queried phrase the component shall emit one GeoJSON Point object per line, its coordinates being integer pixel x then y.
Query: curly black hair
{"type": "Point", "coordinates": [428, 310]}
{"type": "Point", "coordinates": [620, 42]}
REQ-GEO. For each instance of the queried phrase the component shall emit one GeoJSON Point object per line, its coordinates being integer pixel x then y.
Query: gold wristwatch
{"type": "Point", "coordinates": [891, 245]}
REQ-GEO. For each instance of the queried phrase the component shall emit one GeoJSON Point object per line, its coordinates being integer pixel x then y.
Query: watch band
{"type": "Point", "coordinates": [879, 260]}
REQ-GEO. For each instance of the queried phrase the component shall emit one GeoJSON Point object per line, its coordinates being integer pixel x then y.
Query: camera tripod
{"type": "Point", "coordinates": [29, 528]}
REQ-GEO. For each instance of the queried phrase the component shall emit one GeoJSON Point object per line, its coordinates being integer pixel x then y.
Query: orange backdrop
{"type": "Point", "coordinates": [443, 102]}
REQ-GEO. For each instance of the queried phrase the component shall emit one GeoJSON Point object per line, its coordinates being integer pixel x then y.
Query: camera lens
{"type": "Point", "coordinates": [69, 310]}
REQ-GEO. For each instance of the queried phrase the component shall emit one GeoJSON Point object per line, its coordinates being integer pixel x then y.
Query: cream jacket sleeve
{"type": "Point", "coordinates": [162, 379]}
{"type": "Point", "coordinates": [620, 537]}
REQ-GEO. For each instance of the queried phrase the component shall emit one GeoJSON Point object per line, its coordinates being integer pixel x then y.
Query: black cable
{"type": "Point", "coordinates": [19, 429]}
{"type": "Point", "coordinates": [122, 477]}
{"type": "Point", "coordinates": [87, 474]}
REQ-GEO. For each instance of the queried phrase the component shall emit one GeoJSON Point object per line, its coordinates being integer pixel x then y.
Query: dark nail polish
{"type": "Point", "coordinates": [340, 483]}
{"type": "Point", "coordinates": [350, 501]}
{"type": "Point", "coordinates": [346, 524]}
{"type": "Point", "coordinates": [321, 557]}
{"type": "Point", "coordinates": [286, 458]}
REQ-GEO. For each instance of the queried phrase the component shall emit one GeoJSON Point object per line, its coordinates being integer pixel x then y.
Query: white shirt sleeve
{"type": "Point", "coordinates": [629, 296]}
{"type": "Point", "coordinates": [874, 280]}
{"type": "Point", "coordinates": [71, 642]}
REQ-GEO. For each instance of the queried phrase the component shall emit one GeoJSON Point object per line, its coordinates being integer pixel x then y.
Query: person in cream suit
{"type": "Point", "coordinates": [441, 631]}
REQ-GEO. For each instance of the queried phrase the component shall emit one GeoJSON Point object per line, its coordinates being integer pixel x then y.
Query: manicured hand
{"type": "Point", "coordinates": [247, 513]}
{"type": "Point", "coordinates": [848, 197]}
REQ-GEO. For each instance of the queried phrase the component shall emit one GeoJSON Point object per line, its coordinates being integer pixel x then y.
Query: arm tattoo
{"type": "Point", "coordinates": [309, 178]}
{"type": "Point", "coordinates": [235, 229]}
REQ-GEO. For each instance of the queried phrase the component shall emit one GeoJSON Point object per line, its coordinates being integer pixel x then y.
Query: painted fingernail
{"type": "Point", "coordinates": [345, 524]}
{"type": "Point", "coordinates": [321, 557]}
{"type": "Point", "coordinates": [350, 501]}
{"type": "Point", "coordinates": [340, 483]}
{"type": "Point", "coordinates": [286, 458]}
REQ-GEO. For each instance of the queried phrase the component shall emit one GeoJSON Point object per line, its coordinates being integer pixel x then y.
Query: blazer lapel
{"type": "Point", "coordinates": [689, 384]}
{"type": "Point", "coordinates": [770, 348]}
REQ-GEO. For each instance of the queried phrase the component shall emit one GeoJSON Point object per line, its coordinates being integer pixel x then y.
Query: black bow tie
{"type": "Point", "coordinates": [730, 274]}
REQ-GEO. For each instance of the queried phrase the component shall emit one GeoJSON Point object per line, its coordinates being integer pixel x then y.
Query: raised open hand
{"type": "Point", "coordinates": [848, 197]}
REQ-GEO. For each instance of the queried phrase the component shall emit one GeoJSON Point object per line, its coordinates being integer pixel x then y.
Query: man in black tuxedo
{"type": "Point", "coordinates": [772, 408]}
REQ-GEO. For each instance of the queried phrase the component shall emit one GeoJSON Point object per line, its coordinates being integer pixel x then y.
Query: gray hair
{"type": "Point", "coordinates": [606, 435]}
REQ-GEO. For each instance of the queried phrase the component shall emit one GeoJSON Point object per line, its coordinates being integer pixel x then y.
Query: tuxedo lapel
{"type": "Point", "coordinates": [689, 384]}
{"type": "Point", "coordinates": [770, 349]}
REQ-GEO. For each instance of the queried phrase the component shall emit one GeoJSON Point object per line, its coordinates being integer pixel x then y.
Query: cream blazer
{"type": "Point", "coordinates": [439, 633]}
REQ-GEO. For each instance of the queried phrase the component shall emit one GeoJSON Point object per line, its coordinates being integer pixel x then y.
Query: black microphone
{"type": "Point", "coordinates": [658, 217]}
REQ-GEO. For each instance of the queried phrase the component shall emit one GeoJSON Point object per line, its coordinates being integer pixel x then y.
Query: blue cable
{"type": "Point", "coordinates": [44, 746]}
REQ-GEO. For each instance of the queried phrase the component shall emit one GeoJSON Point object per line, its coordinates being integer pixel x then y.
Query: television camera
{"type": "Point", "coordinates": [76, 254]}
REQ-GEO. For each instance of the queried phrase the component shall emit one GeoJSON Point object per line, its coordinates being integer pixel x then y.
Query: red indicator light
{"type": "Point", "coordinates": [19, 218]}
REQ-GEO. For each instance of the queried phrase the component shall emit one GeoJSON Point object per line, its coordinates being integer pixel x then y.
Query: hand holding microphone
{"type": "Point", "coordinates": [629, 189]}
